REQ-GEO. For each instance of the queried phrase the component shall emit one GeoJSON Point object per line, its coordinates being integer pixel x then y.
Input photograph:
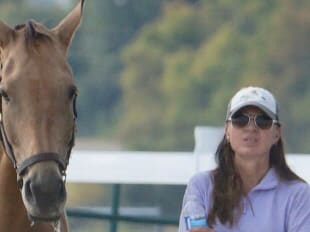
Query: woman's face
{"type": "Point", "coordinates": [250, 141]}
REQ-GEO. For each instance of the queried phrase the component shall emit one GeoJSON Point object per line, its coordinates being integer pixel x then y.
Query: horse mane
{"type": "Point", "coordinates": [32, 34]}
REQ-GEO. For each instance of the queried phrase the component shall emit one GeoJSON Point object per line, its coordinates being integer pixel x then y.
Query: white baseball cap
{"type": "Point", "coordinates": [254, 96]}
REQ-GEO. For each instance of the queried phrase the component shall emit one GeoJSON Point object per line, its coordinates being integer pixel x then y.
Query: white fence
{"type": "Point", "coordinates": [151, 167]}
{"type": "Point", "coordinates": [173, 168]}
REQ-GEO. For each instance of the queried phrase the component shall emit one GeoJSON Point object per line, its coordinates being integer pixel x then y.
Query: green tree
{"type": "Point", "coordinates": [108, 26]}
{"type": "Point", "coordinates": [145, 102]}
{"type": "Point", "coordinates": [200, 55]}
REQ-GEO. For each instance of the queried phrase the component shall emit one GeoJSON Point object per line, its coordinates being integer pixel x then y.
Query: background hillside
{"type": "Point", "coordinates": [155, 69]}
{"type": "Point", "coordinates": [149, 71]}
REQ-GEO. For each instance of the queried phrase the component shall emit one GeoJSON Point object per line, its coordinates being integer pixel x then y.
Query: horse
{"type": "Point", "coordinates": [37, 123]}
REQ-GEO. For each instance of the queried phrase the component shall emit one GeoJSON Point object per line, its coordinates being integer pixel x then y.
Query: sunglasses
{"type": "Point", "coordinates": [260, 120]}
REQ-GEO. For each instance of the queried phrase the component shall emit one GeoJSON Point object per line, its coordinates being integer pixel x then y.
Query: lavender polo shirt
{"type": "Point", "coordinates": [276, 206]}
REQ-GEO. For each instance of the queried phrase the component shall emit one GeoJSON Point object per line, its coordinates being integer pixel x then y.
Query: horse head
{"type": "Point", "coordinates": [37, 121]}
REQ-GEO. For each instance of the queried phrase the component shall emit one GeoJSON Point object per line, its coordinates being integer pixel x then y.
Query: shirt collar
{"type": "Point", "coordinates": [269, 181]}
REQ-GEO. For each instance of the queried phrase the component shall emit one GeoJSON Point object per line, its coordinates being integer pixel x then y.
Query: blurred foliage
{"type": "Point", "coordinates": [107, 27]}
{"type": "Point", "coordinates": [149, 71]}
{"type": "Point", "coordinates": [185, 65]}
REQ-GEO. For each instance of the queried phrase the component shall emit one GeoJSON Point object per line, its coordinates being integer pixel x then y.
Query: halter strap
{"type": "Point", "coordinates": [49, 156]}
{"type": "Point", "coordinates": [46, 156]}
{"type": "Point", "coordinates": [7, 146]}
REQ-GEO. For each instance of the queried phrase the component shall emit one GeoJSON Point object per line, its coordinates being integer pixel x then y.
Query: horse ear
{"type": "Point", "coordinates": [66, 28]}
{"type": "Point", "coordinates": [5, 34]}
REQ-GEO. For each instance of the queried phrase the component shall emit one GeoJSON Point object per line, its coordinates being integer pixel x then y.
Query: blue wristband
{"type": "Point", "coordinates": [195, 222]}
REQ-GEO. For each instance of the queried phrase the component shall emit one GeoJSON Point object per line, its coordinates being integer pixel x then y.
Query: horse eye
{"type": "Point", "coordinates": [72, 92]}
{"type": "Point", "coordinates": [4, 95]}
{"type": "Point", "coordinates": [72, 97]}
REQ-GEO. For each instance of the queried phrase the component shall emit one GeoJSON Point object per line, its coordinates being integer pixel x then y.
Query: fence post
{"type": "Point", "coordinates": [115, 207]}
{"type": "Point", "coordinates": [207, 139]}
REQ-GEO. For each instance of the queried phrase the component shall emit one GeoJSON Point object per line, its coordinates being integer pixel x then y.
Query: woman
{"type": "Point", "coordinates": [252, 188]}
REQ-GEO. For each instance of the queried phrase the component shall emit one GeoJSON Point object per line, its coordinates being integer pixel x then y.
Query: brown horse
{"type": "Point", "coordinates": [37, 124]}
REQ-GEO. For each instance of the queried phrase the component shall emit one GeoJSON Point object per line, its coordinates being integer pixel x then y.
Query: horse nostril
{"type": "Point", "coordinates": [45, 192]}
{"type": "Point", "coordinates": [29, 191]}
{"type": "Point", "coordinates": [62, 190]}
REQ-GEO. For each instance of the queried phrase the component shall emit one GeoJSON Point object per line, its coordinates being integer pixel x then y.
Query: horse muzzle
{"type": "Point", "coordinates": [44, 192]}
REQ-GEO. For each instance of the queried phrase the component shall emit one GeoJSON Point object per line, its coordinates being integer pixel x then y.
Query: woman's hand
{"type": "Point", "coordinates": [201, 229]}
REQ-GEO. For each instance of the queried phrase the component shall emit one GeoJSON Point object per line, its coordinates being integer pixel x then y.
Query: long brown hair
{"type": "Point", "coordinates": [227, 185]}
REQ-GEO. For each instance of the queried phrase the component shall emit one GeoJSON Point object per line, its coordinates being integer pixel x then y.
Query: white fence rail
{"type": "Point", "coordinates": [152, 167]}
{"type": "Point", "coordinates": [173, 168]}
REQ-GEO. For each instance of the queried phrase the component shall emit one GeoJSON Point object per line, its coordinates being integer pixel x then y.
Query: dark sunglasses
{"type": "Point", "coordinates": [260, 120]}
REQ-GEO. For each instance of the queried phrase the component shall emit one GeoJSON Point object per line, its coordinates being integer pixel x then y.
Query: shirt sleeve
{"type": "Point", "coordinates": [299, 211]}
{"type": "Point", "coordinates": [196, 188]}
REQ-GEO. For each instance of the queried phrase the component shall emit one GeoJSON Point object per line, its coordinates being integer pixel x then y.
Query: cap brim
{"type": "Point", "coordinates": [256, 104]}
